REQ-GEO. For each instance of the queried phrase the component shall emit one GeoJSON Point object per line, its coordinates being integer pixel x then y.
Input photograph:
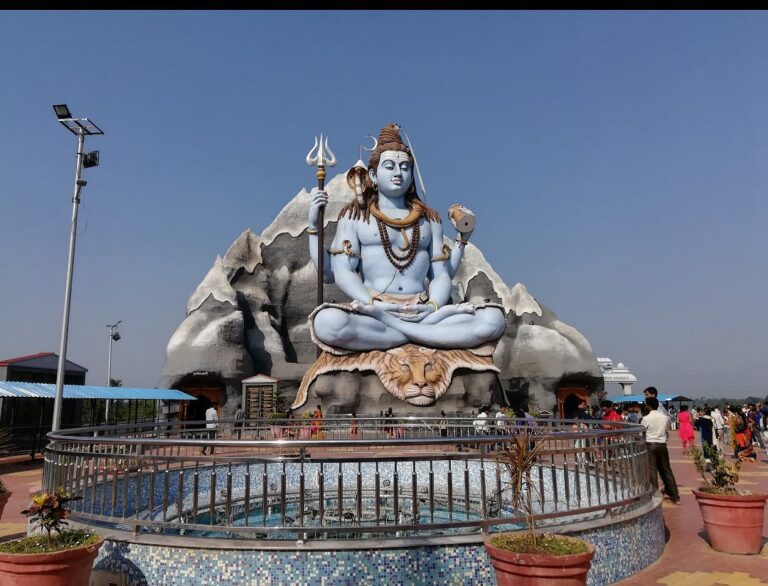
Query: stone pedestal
{"type": "Point", "coordinates": [363, 394]}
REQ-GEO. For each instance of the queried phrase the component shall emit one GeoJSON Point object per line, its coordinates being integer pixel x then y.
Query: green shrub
{"type": "Point", "coordinates": [47, 510]}
{"type": "Point", "coordinates": [719, 475]}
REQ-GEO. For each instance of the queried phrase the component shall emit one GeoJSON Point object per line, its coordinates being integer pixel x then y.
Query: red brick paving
{"type": "Point", "coordinates": [687, 550]}
{"type": "Point", "coordinates": [20, 475]}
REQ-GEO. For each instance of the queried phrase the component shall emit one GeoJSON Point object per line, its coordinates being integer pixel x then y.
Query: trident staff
{"type": "Point", "coordinates": [321, 156]}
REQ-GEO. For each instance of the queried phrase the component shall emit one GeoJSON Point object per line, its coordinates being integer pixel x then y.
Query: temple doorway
{"type": "Point", "coordinates": [568, 399]}
{"type": "Point", "coordinates": [207, 387]}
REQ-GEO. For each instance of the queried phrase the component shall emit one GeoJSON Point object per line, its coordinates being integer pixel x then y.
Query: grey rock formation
{"type": "Point", "coordinates": [249, 316]}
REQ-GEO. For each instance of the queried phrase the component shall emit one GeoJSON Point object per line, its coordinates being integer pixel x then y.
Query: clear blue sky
{"type": "Point", "coordinates": [617, 163]}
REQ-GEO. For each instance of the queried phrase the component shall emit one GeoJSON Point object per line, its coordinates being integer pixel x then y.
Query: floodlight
{"type": "Point", "coordinates": [62, 112]}
{"type": "Point", "coordinates": [91, 159]}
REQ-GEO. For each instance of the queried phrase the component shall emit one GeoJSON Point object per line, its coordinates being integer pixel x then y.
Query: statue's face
{"type": "Point", "coordinates": [394, 174]}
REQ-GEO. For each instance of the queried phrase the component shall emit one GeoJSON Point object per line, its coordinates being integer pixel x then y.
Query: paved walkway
{"type": "Point", "coordinates": [687, 561]}
{"type": "Point", "coordinates": [20, 475]}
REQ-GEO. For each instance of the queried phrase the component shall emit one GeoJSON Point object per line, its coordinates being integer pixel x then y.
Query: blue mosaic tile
{"type": "Point", "coordinates": [622, 549]}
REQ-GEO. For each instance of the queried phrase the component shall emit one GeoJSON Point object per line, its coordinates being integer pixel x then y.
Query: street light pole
{"type": "Point", "coordinates": [114, 336]}
{"type": "Point", "coordinates": [80, 127]}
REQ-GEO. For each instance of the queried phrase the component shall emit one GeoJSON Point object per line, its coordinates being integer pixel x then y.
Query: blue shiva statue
{"type": "Point", "coordinates": [388, 245]}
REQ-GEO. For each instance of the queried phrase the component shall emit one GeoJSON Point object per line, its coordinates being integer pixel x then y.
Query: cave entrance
{"type": "Point", "coordinates": [207, 387]}
{"type": "Point", "coordinates": [568, 399]}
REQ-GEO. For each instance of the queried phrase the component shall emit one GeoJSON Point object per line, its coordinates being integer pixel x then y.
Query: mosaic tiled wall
{"type": "Point", "coordinates": [622, 549]}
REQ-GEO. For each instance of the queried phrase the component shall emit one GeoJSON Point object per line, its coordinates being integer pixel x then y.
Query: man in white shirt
{"type": "Point", "coordinates": [655, 424]}
{"type": "Point", "coordinates": [211, 424]}
{"type": "Point", "coordinates": [501, 423]}
{"type": "Point", "coordinates": [719, 423]}
{"type": "Point", "coordinates": [481, 422]}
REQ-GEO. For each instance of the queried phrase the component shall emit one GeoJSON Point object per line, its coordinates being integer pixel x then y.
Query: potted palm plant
{"type": "Point", "coordinates": [532, 558]}
{"type": "Point", "coordinates": [54, 555]}
{"type": "Point", "coordinates": [733, 518]}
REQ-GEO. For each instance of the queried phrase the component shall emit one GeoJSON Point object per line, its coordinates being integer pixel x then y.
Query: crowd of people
{"type": "Point", "coordinates": [738, 429]}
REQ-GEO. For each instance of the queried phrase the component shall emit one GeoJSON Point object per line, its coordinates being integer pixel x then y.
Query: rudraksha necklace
{"type": "Point", "coordinates": [399, 262]}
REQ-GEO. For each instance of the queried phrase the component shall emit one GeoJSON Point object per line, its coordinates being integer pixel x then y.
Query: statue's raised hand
{"type": "Point", "coordinates": [319, 201]}
{"type": "Point", "coordinates": [463, 220]}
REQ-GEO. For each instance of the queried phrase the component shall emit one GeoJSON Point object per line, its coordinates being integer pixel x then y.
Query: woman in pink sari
{"type": "Point", "coordinates": [685, 428]}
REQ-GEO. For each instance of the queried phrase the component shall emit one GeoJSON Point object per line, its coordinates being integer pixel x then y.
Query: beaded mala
{"type": "Point", "coordinates": [399, 262]}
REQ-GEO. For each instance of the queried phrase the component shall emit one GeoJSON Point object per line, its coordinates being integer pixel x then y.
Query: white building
{"type": "Point", "coordinates": [620, 374]}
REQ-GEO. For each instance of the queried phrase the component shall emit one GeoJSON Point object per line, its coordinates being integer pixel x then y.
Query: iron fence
{"type": "Point", "coordinates": [343, 478]}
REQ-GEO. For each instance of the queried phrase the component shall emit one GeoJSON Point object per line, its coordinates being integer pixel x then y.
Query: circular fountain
{"type": "Point", "coordinates": [406, 509]}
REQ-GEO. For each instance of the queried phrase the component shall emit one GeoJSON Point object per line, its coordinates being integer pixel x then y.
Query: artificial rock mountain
{"type": "Point", "coordinates": [249, 316]}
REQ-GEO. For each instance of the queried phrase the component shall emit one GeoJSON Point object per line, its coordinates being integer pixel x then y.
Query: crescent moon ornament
{"type": "Point", "coordinates": [375, 143]}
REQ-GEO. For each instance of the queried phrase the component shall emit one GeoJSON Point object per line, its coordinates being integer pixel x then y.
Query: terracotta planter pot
{"type": "Point", "coordinates": [71, 567]}
{"type": "Point", "coordinates": [529, 569]}
{"type": "Point", "coordinates": [4, 501]}
{"type": "Point", "coordinates": [734, 524]}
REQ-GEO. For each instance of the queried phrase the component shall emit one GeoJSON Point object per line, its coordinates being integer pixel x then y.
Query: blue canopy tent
{"type": "Point", "coordinates": [25, 390]}
{"type": "Point", "coordinates": [637, 398]}
{"type": "Point", "coordinates": [26, 408]}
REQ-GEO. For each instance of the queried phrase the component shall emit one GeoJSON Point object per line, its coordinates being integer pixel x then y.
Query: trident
{"type": "Point", "coordinates": [320, 156]}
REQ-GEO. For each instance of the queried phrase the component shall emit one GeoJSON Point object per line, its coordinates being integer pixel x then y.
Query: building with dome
{"type": "Point", "coordinates": [619, 374]}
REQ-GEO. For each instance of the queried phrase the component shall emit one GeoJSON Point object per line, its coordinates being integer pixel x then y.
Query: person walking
{"type": "Point", "coordinates": [582, 415]}
{"type": "Point", "coordinates": [389, 417]}
{"type": "Point", "coordinates": [655, 424]}
{"type": "Point", "coordinates": [719, 421]}
{"type": "Point", "coordinates": [685, 428]}
{"type": "Point", "coordinates": [481, 424]}
{"type": "Point", "coordinates": [239, 421]}
{"type": "Point", "coordinates": [443, 424]}
{"type": "Point", "coordinates": [706, 427]}
{"type": "Point", "coordinates": [501, 421]}
{"type": "Point", "coordinates": [317, 423]}
{"type": "Point", "coordinates": [211, 425]}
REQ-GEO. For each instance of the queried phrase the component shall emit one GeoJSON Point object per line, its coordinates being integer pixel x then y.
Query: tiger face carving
{"type": "Point", "coordinates": [417, 375]}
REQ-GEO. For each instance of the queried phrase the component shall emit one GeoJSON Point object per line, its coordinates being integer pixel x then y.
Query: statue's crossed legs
{"type": "Point", "coordinates": [361, 327]}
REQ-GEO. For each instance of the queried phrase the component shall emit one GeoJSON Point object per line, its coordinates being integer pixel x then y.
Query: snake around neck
{"type": "Point", "coordinates": [413, 217]}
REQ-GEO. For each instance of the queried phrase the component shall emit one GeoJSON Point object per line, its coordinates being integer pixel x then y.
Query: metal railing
{"type": "Point", "coordinates": [342, 478]}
